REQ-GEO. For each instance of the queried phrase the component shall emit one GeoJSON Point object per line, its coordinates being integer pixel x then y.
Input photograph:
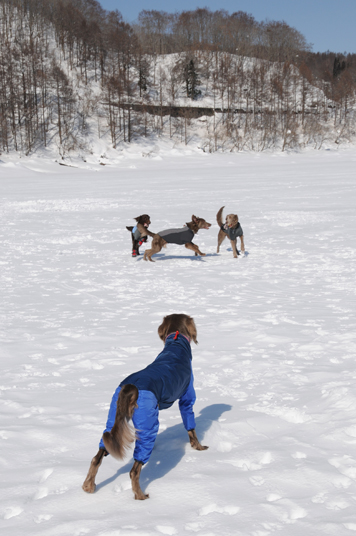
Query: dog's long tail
{"type": "Point", "coordinates": [122, 434]}
{"type": "Point", "coordinates": [219, 217]}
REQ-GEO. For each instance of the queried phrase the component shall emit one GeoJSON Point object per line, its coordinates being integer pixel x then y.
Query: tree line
{"type": "Point", "coordinates": [67, 65]}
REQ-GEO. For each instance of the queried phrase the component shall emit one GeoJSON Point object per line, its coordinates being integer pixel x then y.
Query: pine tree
{"type": "Point", "coordinates": [142, 76]}
{"type": "Point", "coordinates": [192, 81]}
{"type": "Point", "coordinates": [338, 67]}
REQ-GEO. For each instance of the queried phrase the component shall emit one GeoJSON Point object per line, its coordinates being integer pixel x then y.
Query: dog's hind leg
{"type": "Point", "coordinates": [89, 483]}
{"type": "Point", "coordinates": [156, 246]}
{"type": "Point", "coordinates": [194, 441]}
{"type": "Point", "coordinates": [194, 248]}
{"type": "Point", "coordinates": [221, 238]}
{"type": "Point", "coordinates": [135, 481]}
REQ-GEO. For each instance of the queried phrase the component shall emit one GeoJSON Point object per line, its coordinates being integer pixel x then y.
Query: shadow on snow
{"type": "Point", "coordinates": [199, 258]}
{"type": "Point", "coordinates": [170, 447]}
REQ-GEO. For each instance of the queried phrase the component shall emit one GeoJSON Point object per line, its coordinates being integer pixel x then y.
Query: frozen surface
{"type": "Point", "coordinates": [274, 369]}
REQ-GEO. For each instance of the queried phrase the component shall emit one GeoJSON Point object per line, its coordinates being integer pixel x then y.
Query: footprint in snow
{"type": "Point", "coordinates": [346, 465]}
{"type": "Point", "coordinates": [273, 497]}
{"type": "Point", "coordinates": [47, 473]}
{"type": "Point", "coordinates": [319, 498]}
{"type": "Point", "coordinates": [42, 517]}
{"type": "Point", "coordinates": [350, 526]}
{"type": "Point", "coordinates": [254, 463]}
{"type": "Point", "coordinates": [227, 510]}
{"type": "Point", "coordinates": [257, 480]}
{"type": "Point", "coordinates": [337, 504]}
{"type": "Point", "coordinates": [224, 446]}
{"type": "Point", "coordinates": [41, 493]}
{"type": "Point", "coordinates": [119, 488]}
{"type": "Point", "coordinates": [195, 527]}
{"type": "Point", "coordinates": [12, 511]}
{"type": "Point", "coordinates": [286, 511]}
{"type": "Point", "coordinates": [166, 530]}
{"type": "Point", "coordinates": [299, 455]}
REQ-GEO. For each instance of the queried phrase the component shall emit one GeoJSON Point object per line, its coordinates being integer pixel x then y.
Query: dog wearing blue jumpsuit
{"type": "Point", "coordinates": [143, 394]}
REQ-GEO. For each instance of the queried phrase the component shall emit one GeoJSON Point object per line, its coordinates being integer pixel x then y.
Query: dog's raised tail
{"type": "Point", "coordinates": [122, 434]}
{"type": "Point", "coordinates": [219, 217]}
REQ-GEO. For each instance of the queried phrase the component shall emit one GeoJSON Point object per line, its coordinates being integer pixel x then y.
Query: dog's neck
{"type": "Point", "coordinates": [175, 333]}
{"type": "Point", "coordinates": [193, 226]}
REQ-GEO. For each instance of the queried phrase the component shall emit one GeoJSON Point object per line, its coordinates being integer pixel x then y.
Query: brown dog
{"type": "Point", "coordinates": [232, 229]}
{"type": "Point", "coordinates": [183, 236]}
{"type": "Point", "coordinates": [140, 232]}
{"type": "Point", "coordinates": [140, 397]}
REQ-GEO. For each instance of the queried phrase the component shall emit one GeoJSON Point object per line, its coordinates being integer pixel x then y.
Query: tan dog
{"type": "Point", "coordinates": [232, 229]}
{"type": "Point", "coordinates": [183, 236]}
{"type": "Point", "coordinates": [141, 395]}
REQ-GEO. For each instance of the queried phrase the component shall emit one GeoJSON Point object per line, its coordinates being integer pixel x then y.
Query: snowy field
{"type": "Point", "coordinates": [275, 368]}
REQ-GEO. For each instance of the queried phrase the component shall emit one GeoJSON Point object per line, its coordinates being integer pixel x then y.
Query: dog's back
{"type": "Point", "coordinates": [177, 236]}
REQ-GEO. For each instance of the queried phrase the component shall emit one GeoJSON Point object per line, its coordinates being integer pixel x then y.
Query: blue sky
{"type": "Point", "coordinates": [326, 24]}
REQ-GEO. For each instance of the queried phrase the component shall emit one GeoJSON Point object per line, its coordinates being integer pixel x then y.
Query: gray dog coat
{"type": "Point", "coordinates": [177, 236]}
{"type": "Point", "coordinates": [233, 232]}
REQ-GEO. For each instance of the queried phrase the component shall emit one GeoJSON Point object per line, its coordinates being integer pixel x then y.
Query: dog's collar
{"type": "Point", "coordinates": [176, 335]}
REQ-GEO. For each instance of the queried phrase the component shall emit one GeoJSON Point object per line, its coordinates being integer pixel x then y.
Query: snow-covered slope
{"type": "Point", "coordinates": [65, 101]}
{"type": "Point", "coordinates": [274, 369]}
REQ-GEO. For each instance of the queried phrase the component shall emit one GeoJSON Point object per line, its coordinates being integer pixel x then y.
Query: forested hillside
{"type": "Point", "coordinates": [72, 73]}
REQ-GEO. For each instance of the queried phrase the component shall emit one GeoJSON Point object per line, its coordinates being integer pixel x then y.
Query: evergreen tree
{"type": "Point", "coordinates": [192, 81]}
{"type": "Point", "coordinates": [338, 67]}
{"type": "Point", "coordinates": [143, 71]}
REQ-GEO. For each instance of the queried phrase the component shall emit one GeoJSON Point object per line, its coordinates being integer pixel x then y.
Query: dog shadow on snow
{"type": "Point", "coordinates": [198, 258]}
{"type": "Point", "coordinates": [170, 447]}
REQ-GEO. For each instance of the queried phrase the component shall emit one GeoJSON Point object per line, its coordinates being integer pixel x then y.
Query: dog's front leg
{"type": "Point", "coordinates": [194, 441]}
{"type": "Point", "coordinates": [89, 483]}
{"type": "Point", "coordinates": [135, 481]}
{"type": "Point", "coordinates": [195, 248]}
{"type": "Point", "coordinates": [242, 244]}
{"type": "Point", "coordinates": [234, 248]}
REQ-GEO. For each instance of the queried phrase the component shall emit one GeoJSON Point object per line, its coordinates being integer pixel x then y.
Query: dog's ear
{"type": "Point", "coordinates": [137, 219]}
{"type": "Point", "coordinates": [194, 218]}
{"type": "Point", "coordinates": [191, 328]}
{"type": "Point", "coordinates": [163, 328]}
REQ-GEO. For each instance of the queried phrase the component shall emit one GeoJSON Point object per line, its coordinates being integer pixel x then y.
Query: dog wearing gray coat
{"type": "Point", "coordinates": [231, 229]}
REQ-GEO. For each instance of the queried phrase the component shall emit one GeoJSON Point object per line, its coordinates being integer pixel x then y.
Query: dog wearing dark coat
{"type": "Point", "coordinates": [140, 397]}
{"type": "Point", "coordinates": [183, 236]}
{"type": "Point", "coordinates": [139, 232]}
{"type": "Point", "coordinates": [232, 229]}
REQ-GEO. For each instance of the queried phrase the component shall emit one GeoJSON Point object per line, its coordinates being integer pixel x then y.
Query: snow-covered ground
{"type": "Point", "coordinates": [275, 368]}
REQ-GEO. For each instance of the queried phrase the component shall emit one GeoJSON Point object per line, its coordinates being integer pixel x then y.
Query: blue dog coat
{"type": "Point", "coordinates": [136, 233]}
{"type": "Point", "coordinates": [160, 384]}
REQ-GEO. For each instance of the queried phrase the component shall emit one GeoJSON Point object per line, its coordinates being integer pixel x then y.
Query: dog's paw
{"type": "Point", "coordinates": [141, 496]}
{"type": "Point", "coordinates": [200, 447]}
{"type": "Point", "coordinates": [89, 487]}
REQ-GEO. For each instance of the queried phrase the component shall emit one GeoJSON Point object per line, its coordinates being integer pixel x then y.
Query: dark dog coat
{"type": "Point", "coordinates": [233, 232]}
{"type": "Point", "coordinates": [167, 379]}
{"type": "Point", "coordinates": [177, 236]}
